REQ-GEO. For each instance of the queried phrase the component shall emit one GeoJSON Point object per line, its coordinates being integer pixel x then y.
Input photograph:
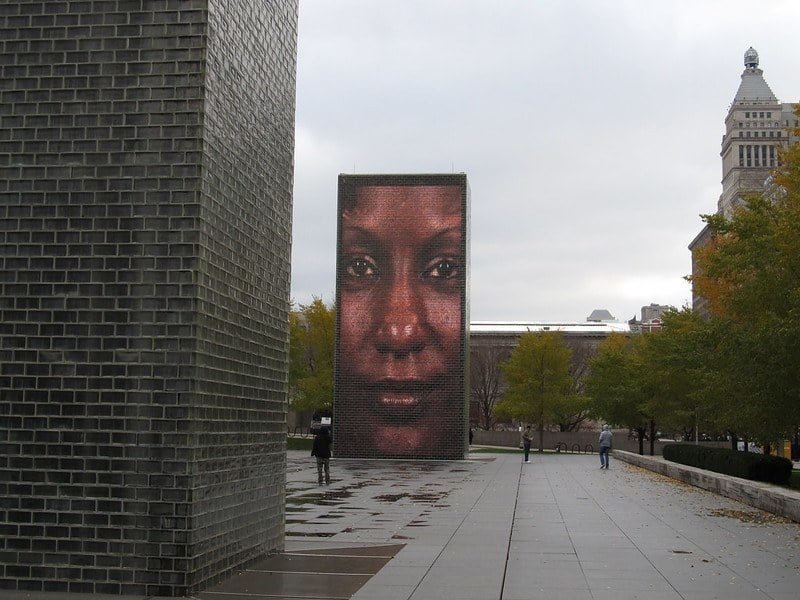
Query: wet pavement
{"type": "Point", "coordinates": [492, 527]}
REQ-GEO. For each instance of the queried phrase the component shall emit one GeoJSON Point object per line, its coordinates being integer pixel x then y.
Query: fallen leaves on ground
{"type": "Point", "coordinates": [749, 516]}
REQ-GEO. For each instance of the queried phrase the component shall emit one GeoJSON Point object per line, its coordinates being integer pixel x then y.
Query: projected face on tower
{"type": "Point", "coordinates": [401, 284]}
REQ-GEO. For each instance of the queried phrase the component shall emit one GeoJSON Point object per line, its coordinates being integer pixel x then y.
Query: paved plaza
{"type": "Point", "coordinates": [491, 527]}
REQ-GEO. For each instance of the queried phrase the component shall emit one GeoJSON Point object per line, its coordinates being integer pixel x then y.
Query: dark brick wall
{"type": "Point", "coordinates": [145, 215]}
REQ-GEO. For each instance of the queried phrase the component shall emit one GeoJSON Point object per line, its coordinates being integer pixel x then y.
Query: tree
{"type": "Point", "coordinates": [750, 278]}
{"type": "Point", "coordinates": [311, 354]}
{"type": "Point", "coordinates": [539, 380]}
{"type": "Point", "coordinates": [620, 389]}
{"type": "Point", "coordinates": [485, 380]}
{"type": "Point", "coordinates": [576, 409]}
{"type": "Point", "coordinates": [676, 361]}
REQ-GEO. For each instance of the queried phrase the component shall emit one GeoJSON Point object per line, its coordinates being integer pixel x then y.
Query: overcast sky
{"type": "Point", "coordinates": [589, 131]}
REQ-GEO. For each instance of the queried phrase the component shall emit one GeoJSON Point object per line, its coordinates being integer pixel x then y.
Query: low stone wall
{"type": "Point", "coordinates": [771, 498]}
{"type": "Point", "coordinates": [574, 441]}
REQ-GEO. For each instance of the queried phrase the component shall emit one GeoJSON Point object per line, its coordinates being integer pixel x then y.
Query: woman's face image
{"type": "Point", "coordinates": [401, 283]}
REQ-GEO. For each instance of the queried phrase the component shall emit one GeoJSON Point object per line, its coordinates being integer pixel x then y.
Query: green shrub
{"type": "Point", "coordinates": [296, 443]}
{"type": "Point", "coordinates": [756, 467]}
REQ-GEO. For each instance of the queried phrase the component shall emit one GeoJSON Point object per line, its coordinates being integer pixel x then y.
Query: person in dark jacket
{"type": "Point", "coordinates": [322, 450]}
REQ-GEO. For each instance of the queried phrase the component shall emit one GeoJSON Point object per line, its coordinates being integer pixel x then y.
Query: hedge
{"type": "Point", "coordinates": [756, 467]}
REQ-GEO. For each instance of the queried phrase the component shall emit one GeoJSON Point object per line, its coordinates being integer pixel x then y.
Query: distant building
{"type": "Point", "coordinates": [651, 318]}
{"type": "Point", "coordinates": [510, 331]}
{"type": "Point", "coordinates": [757, 124]}
{"type": "Point", "coordinates": [654, 311]}
{"type": "Point", "coordinates": [491, 342]}
{"type": "Point", "coordinates": [600, 315]}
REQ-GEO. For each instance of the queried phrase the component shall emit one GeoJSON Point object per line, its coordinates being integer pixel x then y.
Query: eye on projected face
{"type": "Point", "coordinates": [401, 281]}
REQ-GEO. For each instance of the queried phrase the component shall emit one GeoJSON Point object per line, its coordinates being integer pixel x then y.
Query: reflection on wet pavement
{"type": "Point", "coordinates": [349, 508]}
{"type": "Point", "coordinates": [338, 536]}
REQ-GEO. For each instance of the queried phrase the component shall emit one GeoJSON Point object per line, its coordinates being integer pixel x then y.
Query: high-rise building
{"type": "Point", "coordinates": [654, 311]}
{"type": "Point", "coordinates": [757, 124]}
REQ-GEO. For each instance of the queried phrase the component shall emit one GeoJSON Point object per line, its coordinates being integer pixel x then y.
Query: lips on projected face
{"type": "Point", "coordinates": [400, 401]}
{"type": "Point", "coordinates": [399, 407]}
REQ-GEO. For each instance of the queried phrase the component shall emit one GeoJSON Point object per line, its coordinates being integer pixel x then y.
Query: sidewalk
{"type": "Point", "coordinates": [491, 527]}
{"type": "Point", "coordinates": [558, 528]}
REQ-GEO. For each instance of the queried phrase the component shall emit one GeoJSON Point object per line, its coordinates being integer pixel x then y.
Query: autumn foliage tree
{"type": "Point", "coordinates": [312, 330]}
{"type": "Point", "coordinates": [750, 279]}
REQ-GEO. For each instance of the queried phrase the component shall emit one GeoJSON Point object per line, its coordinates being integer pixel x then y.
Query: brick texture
{"type": "Point", "coordinates": [402, 302]}
{"type": "Point", "coordinates": [146, 153]}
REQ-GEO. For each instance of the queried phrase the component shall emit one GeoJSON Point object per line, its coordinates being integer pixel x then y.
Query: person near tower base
{"type": "Point", "coordinates": [322, 450]}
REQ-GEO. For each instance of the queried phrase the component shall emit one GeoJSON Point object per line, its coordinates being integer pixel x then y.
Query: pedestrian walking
{"type": "Point", "coordinates": [322, 450]}
{"type": "Point", "coordinates": [527, 437]}
{"type": "Point", "coordinates": [605, 446]}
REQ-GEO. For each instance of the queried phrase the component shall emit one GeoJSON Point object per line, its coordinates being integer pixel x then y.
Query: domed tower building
{"type": "Point", "coordinates": [756, 125]}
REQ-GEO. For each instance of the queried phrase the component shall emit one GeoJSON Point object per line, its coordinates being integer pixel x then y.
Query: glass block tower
{"type": "Point", "coordinates": [146, 158]}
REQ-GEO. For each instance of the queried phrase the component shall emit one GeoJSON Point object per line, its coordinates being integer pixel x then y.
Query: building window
{"type": "Point", "coordinates": [772, 156]}
{"type": "Point", "coordinates": [741, 156]}
{"type": "Point", "coordinates": [749, 156]}
{"type": "Point", "coordinates": [771, 134]}
{"type": "Point", "coordinates": [779, 134]}
{"type": "Point", "coordinates": [769, 115]}
{"type": "Point", "coordinates": [747, 115]}
{"type": "Point", "coordinates": [761, 115]}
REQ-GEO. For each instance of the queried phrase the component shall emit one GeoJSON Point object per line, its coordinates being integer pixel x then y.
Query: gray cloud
{"type": "Point", "coordinates": [589, 130]}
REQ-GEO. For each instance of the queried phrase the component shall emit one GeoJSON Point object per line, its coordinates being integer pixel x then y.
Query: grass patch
{"type": "Point", "coordinates": [296, 443]}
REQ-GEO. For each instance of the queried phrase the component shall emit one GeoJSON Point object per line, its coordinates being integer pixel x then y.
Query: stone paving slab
{"type": "Point", "coordinates": [575, 531]}
{"type": "Point", "coordinates": [492, 527]}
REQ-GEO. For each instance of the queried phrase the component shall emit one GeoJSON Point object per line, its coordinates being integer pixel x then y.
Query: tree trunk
{"type": "Point", "coordinates": [652, 437]}
{"type": "Point", "coordinates": [541, 437]}
{"type": "Point", "coordinates": [640, 434]}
